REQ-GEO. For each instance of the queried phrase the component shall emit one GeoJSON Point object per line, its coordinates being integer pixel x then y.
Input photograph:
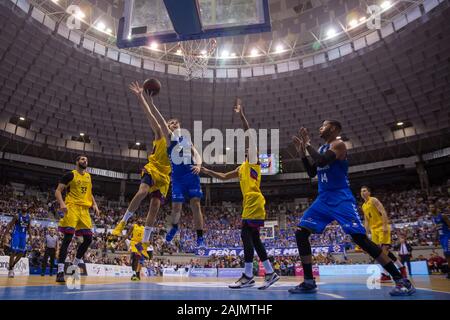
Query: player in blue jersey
{"type": "Point", "coordinates": [335, 202]}
{"type": "Point", "coordinates": [20, 225]}
{"type": "Point", "coordinates": [442, 222]}
{"type": "Point", "coordinates": [186, 164]}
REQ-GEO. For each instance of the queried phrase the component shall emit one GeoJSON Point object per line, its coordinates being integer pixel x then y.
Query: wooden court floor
{"type": "Point", "coordinates": [35, 287]}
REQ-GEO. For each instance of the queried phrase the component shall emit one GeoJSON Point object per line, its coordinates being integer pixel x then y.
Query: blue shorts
{"type": "Point", "coordinates": [19, 243]}
{"type": "Point", "coordinates": [186, 187]}
{"type": "Point", "coordinates": [445, 240]}
{"type": "Point", "coordinates": [340, 206]}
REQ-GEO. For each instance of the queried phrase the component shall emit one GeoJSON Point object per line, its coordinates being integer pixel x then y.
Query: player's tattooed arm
{"type": "Point", "coordinates": [139, 92]}
{"type": "Point", "coordinates": [222, 175]}
{"type": "Point", "coordinates": [58, 195]}
{"type": "Point", "coordinates": [95, 206]}
{"type": "Point", "coordinates": [384, 216]}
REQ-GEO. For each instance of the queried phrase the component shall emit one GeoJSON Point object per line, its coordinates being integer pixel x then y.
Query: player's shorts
{"type": "Point", "coordinates": [253, 206]}
{"type": "Point", "coordinates": [338, 205]}
{"type": "Point", "coordinates": [77, 220]}
{"type": "Point", "coordinates": [253, 223]}
{"type": "Point", "coordinates": [186, 187]}
{"type": "Point", "coordinates": [18, 243]}
{"type": "Point", "coordinates": [379, 237]}
{"type": "Point", "coordinates": [158, 189]}
{"type": "Point", "coordinates": [133, 248]}
{"type": "Point", "coordinates": [445, 243]}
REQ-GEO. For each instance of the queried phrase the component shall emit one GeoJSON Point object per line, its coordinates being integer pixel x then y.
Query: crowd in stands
{"type": "Point", "coordinates": [408, 210]}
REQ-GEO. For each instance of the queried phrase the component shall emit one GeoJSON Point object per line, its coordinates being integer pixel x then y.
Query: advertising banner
{"type": "Point", "coordinates": [22, 268]}
{"type": "Point", "coordinates": [279, 252]}
{"type": "Point", "coordinates": [203, 272]}
{"type": "Point", "coordinates": [230, 272]}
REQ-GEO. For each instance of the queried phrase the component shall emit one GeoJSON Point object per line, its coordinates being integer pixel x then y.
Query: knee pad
{"type": "Point", "coordinates": [302, 237]}
{"type": "Point", "coordinates": [302, 234]}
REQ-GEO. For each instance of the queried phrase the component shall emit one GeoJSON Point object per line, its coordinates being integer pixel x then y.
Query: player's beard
{"type": "Point", "coordinates": [82, 166]}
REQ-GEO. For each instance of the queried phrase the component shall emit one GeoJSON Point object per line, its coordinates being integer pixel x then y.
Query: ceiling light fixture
{"type": "Point", "coordinates": [331, 33]}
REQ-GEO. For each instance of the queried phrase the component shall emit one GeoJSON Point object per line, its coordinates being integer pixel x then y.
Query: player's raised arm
{"type": "Point", "coordinates": [337, 150]}
{"type": "Point", "coordinates": [238, 108]}
{"type": "Point", "coordinates": [154, 124]}
{"type": "Point", "coordinates": [253, 149]}
{"type": "Point", "coordinates": [220, 175]}
{"type": "Point", "coordinates": [158, 116]}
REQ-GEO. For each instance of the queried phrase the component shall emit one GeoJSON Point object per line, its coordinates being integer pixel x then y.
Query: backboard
{"type": "Point", "coordinates": [163, 21]}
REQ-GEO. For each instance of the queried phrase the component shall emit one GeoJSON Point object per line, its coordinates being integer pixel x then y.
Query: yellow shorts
{"type": "Point", "coordinates": [76, 220]}
{"type": "Point", "coordinates": [159, 183]}
{"type": "Point", "coordinates": [253, 207]}
{"type": "Point", "coordinates": [133, 248]}
{"type": "Point", "coordinates": [379, 237]}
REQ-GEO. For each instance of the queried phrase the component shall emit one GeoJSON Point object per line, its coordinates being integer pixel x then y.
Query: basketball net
{"type": "Point", "coordinates": [196, 54]}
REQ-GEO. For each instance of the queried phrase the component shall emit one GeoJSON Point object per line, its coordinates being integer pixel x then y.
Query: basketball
{"type": "Point", "coordinates": [152, 87]}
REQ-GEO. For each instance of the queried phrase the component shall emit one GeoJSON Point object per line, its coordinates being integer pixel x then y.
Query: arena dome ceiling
{"type": "Point", "coordinates": [62, 90]}
{"type": "Point", "coordinates": [299, 28]}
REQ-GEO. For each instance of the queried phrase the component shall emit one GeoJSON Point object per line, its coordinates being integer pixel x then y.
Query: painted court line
{"type": "Point", "coordinates": [427, 289]}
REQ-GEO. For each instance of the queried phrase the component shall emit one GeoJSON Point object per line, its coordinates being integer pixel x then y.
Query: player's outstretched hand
{"type": "Point", "coordinates": [136, 88]}
{"type": "Point", "coordinates": [304, 136]}
{"type": "Point", "coordinates": [196, 169]}
{"type": "Point", "coordinates": [237, 105]}
{"type": "Point", "coordinates": [299, 146]}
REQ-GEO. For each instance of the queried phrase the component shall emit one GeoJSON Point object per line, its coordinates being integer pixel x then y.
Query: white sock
{"type": "Point", "coordinates": [398, 264]}
{"type": "Point", "coordinates": [76, 261]}
{"type": "Point", "coordinates": [127, 216]}
{"type": "Point", "coordinates": [60, 267]}
{"type": "Point", "coordinates": [249, 269]}
{"type": "Point", "coordinates": [268, 266]}
{"type": "Point", "coordinates": [147, 233]}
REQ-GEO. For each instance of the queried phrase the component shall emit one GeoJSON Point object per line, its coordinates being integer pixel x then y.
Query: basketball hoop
{"type": "Point", "coordinates": [196, 54]}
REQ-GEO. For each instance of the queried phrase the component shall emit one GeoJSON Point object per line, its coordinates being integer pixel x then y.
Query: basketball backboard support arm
{"type": "Point", "coordinates": [146, 21]}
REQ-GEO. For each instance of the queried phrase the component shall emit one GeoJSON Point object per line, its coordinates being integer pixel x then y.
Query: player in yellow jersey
{"type": "Point", "coordinates": [253, 211]}
{"type": "Point", "coordinates": [376, 222]}
{"type": "Point", "coordinates": [155, 175]}
{"type": "Point", "coordinates": [75, 208]}
{"type": "Point", "coordinates": [136, 232]}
